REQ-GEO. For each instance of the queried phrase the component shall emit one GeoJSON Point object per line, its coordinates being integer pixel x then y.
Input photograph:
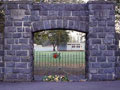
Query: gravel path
{"type": "Point", "coordinates": [106, 85]}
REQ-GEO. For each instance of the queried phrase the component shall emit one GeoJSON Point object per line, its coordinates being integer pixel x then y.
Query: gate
{"type": "Point", "coordinates": [66, 62]}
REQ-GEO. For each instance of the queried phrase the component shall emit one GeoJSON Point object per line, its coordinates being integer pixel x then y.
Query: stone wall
{"type": "Point", "coordinates": [1, 56]}
{"type": "Point", "coordinates": [118, 57]}
{"type": "Point", "coordinates": [18, 50]}
{"type": "Point", "coordinates": [101, 41]}
{"type": "Point", "coordinates": [96, 19]}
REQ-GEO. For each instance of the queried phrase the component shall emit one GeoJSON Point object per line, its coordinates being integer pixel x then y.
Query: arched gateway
{"type": "Point", "coordinates": [22, 19]}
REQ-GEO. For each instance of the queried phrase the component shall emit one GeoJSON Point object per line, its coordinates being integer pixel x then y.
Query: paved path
{"type": "Point", "coordinates": [107, 85]}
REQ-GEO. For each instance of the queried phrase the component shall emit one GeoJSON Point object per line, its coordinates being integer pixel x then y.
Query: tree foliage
{"type": "Point", "coordinates": [2, 17]}
{"type": "Point", "coordinates": [52, 37]}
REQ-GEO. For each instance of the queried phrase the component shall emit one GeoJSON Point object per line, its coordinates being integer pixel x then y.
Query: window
{"type": "Point", "coordinates": [73, 46]}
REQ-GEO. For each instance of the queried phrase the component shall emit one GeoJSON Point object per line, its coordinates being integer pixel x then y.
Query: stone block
{"type": "Point", "coordinates": [93, 23]}
{"type": "Point", "coordinates": [37, 26]}
{"type": "Point", "coordinates": [101, 35]}
{"type": "Point", "coordinates": [26, 59]}
{"type": "Point", "coordinates": [27, 12]}
{"type": "Point", "coordinates": [8, 23]}
{"type": "Point", "coordinates": [42, 13]}
{"type": "Point", "coordinates": [10, 77]}
{"type": "Point", "coordinates": [10, 29]}
{"type": "Point", "coordinates": [46, 24]}
{"type": "Point", "coordinates": [20, 29]}
{"type": "Point", "coordinates": [111, 59]}
{"type": "Point", "coordinates": [53, 13]}
{"type": "Point", "coordinates": [23, 41]}
{"type": "Point", "coordinates": [7, 12]}
{"type": "Point", "coordinates": [109, 70]}
{"type": "Point", "coordinates": [10, 64]}
{"type": "Point", "coordinates": [108, 41]}
{"type": "Point", "coordinates": [96, 65]}
{"type": "Point", "coordinates": [16, 58]}
{"type": "Point", "coordinates": [93, 71]}
{"type": "Point", "coordinates": [9, 41]}
{"type": "Point", "coordinates": [59, 23]}
{"type": "Point", "coordinates": [1, 52]}
{"type": "Point", "coordinates": [99, 77]}
{"type": "Point", "coordinates": [37, 12]}
{"type": "Point", "coordinates": [27, 35]}
{"type": "Point", "coordinates": [12, 6]}
{"type": "Point", "coordinates": [17, 23]}
{"type": "Point", "coordinates": [8, 58]}
{"type": "Point", "coordinates": [21, 53]}
{"type": "Point", "coordinates": [22, 77]}
{"type": "Point", "coordinates": [35, 18]}
{"type": "Point", "coordinates": [110, 23]}
{"type": "Point", "coordinates": [11, 52]}
{"type": "Point", "coordinates": [101, 59]}
{"type": "Point", "coordinates": [17, 14]}
{"type": "Point", "coordinates": [8, 70]}
{"type": "Point", "coordinates": [102, 47]}
{"type": "Point", "coordinates": [21, 65]}
{"type": "Point", "coordinates": [93, 47]}
{"type": "Point", "coordinates": [92, 59]}
{"type": "Point", "coordinates": [27, 18]}
{"type": "Point", "coordinates": [36, 7]}
{"type": "Point", "coordinates": [1, 41]}
{"type": "Point", "coordinates": [17, 35]}
{"type": "Point", "coordinates": [117, 53]}
{"type": "Point", "coordinates": [23, 6]}
{"type": "Point", "coordinates": [7, 47]}
{"type": "Point", "coordinates": [25, 47]}
{"type": "Point", "coordinates": [95, 53]}
{"type": "Point", "coordinates": [1, 64]}
{"type": "Point", "coordinates": [108, 53]}
{"type": "Point", "coordinates": [76, 25]}
{"type": "Point", "coordinates": [16, 47]}
{"type": "Point", "coordinates": [27, 23]}
{"type": "Point", "coordinates": [111, 47]}
{"type": "Point", "coordinates": [16, 41]}
{"type": "Point", "coordinates": [96, 41]}
{"type": "Point", "coordinates": [102, 23]}
{"type": "Point", "coordinates": [106, 65]}
{"type": "Point", "coordinates": [22, 70]}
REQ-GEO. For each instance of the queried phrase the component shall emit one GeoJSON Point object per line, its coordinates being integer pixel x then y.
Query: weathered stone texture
{"type": "Point", "coordinates": [1, 56]}
{"type": "Point", "coordinates": [94, 18]}
{"type": "Point", "coordinates": [99, 18]}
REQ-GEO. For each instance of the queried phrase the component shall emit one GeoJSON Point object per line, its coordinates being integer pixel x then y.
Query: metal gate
{"type": "Point", "coordinates": [67, 58]}
{"type": "Point", "coordinates": [70, 63]}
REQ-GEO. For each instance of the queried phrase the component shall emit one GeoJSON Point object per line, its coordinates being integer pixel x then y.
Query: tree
{"type": "Point", "coordinates": [2, 18]}
{"type": "Point", "coordinates": [53, 37]}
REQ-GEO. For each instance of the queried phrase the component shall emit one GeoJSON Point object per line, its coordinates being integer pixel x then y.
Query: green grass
{"type": "Point", "coordinates": [69, 62]}
{"type": "Point", "coordinates": [68, 57]}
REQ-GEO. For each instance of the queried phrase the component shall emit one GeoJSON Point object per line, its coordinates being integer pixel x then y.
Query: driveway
{"type": "Point", "coordinates": [106, 85]}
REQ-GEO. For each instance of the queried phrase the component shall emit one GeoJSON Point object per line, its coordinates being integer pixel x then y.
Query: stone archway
{"type": "Point", "coordinates": [94, 18]}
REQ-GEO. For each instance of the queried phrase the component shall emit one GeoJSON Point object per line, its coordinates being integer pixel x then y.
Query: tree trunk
{"type": "Point", "coordinates": [54, 48]}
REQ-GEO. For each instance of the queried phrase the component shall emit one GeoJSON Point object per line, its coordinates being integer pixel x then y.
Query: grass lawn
{"type": "Point", "coordinates": [64, 57]}
{"type": "Point", "coordinates": [68, 61]}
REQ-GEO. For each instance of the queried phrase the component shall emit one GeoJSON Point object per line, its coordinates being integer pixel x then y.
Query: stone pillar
{"type": "Point", "coordinates": [1, 55]}
{"type": "Point", "coordinates": [17, 49]}
{"type": "Point", "coordinates": [1, 46]}
{"type": "Point", "coordinates": [101, 41]}
{"type": "Point", "coordinates": [118, 57]}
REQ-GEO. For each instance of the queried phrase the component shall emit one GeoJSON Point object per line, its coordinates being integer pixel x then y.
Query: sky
{"type": "Point", "coordinates": [86, 0]}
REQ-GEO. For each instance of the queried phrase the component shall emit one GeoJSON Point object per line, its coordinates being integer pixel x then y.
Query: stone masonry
{"type": "Point", "coordinates": [22, 19]}
{"type": "Point", "coordinates": [1, 56]}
